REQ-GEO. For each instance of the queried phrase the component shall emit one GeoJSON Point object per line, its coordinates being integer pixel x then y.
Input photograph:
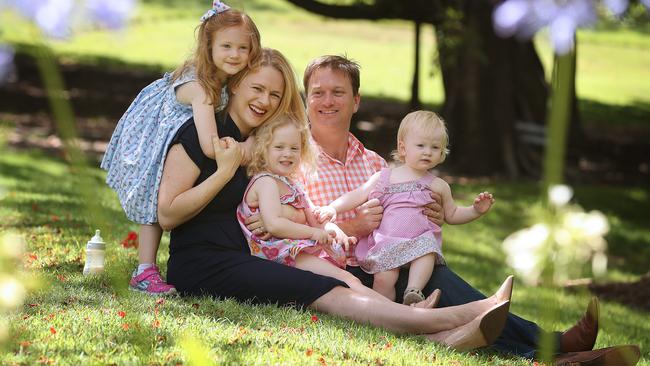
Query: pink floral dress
{"type": "Point", "coordinates": [404, 233]}
{"type": "Point", "coordinates": [284, 251]}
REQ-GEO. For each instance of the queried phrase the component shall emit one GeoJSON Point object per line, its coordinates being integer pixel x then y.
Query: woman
{"type": "Point", "coordinates": [208, 252]}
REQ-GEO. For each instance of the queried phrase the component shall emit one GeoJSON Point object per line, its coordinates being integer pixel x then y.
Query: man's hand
{"type": "Point", "coordinates": [255, 225]}
{"type": "Point", "coordinates": [368, 219]}
{"type": "Point", "coordinates": [433, 211]}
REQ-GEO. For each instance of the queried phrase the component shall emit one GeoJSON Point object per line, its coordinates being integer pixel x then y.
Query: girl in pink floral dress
{"type": "Point", "coordinates": [405, 236]}
{"type": "Point", "coordinates": [283, 153]}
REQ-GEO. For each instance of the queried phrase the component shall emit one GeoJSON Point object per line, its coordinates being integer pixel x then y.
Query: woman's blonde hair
{"type": "Point", "coordinates": [424, 122]}
{"type": "Point", "coordinates": [291, 103]}
{"type": "Point", "coordinates": [201, 60]}
{"type": "Point", "coordinates": [264, 136]}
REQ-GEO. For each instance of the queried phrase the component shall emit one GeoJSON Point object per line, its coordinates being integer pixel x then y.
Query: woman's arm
{"type": "Point", "coordinates": [178, 201]}
{"type": "Point", "coordinates": [268, 193]}
{"type": "Point", "coordinates": [206, 125]}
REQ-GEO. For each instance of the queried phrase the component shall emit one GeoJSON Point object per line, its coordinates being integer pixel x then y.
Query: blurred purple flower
{"type": "Point", "coordinates": [111, 14]}
{"type": "Point", "coordinates": [53, 17]}
{"type": "Point", "coordinates": [562, 31]}
{"type": "Point", "coordinates": [617, 7]}
{"type": "Point", "coordinates": [646, 3]}
{"type": "Point", "coordinates": [27, 8]}
{"type": "Point", "coordinates": [524, 18]}
{"type": "Point", "coordinates": [6, 63]}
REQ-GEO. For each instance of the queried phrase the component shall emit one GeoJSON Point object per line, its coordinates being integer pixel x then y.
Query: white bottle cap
{"type": "Point", "coordinates": [96, 242]}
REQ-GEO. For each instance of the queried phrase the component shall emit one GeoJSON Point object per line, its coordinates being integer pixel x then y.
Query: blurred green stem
{"type": "Point", "coordinates": [558, 120]}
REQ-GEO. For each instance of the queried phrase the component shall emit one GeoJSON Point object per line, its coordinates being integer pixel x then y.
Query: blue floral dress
{"type": "Point", "coordinates": [135, 155]}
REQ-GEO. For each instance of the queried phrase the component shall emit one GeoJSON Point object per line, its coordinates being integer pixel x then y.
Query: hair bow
{"type": "Point", "coordinates": [217, 7]}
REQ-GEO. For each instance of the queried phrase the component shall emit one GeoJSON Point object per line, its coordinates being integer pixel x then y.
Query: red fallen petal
{"type": "Point", "coordinates": [33, 256]}
{"type": "Point", "coordinates": [121, 314]}
{"type": "Point", "coordinates": [55, 218]}
{"type": "Point", "coordinates": [132, 235]}
{"type": "Point", "coordinates": [156, 323]}
{"type": "Point", "coordinates": [32, 305]}
{"type": "Point", "coordinates": [309, 352]}
{"type": "Point", "coordinates": [314, 318]}
{"type": "Point", "coordinates": [160, 301]}
{"type": "Point", "coordinates": [61, 278]}
{"type": "Point", "coordinates": [52, 330]}
{"type": "Point", "coordinates": [125, 326]}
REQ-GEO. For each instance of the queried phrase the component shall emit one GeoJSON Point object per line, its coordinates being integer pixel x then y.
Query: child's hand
{"type": "Point", "coordinates": [342, 238]}
{"type": "Point", "coordinates": [323, 237]}
{"type": "Point", "coordinates": [483, 202]}
{"type": "Point", "coordinates": [247, 149]}
{"type": "Point", "coordinates": [227, 154]}
{"type": "Point", "coordinates": [325, 214]}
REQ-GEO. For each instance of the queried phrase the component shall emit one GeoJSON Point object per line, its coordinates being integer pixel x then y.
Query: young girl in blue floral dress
{"type": "Point", "coordinates": [228, 42]}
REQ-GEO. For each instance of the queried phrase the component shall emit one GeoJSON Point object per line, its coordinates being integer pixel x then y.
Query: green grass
{"type": "Point", "coordinates": [612, 61]}
{"type": "Point", "coordinates": [42, 204]}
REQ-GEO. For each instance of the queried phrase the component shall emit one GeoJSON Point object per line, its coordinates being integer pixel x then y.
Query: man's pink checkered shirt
{"type": "Point", "coordinates": [336, 178]}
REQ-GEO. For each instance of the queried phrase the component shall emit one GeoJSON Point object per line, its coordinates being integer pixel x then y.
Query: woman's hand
{"type": "Point", "coordinates": [227, 154]}
{"type": "Point", "coordinates": [255, 225]}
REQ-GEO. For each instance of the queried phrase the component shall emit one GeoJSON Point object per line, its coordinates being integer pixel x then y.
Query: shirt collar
{"type": "Point", "coordinates": [355, 147]}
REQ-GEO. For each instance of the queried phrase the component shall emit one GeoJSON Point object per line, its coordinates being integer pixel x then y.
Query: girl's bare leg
{"type": "Point", "coordinates": [396, 317]}
{"type": "Point", "coordinates": [420, 271]}
{"type": "Point", "coordinates": [384, 283]}
{"type": "Point", "coordinates": [320, 266]}
{"type": "Point", "coordinates": [149, 241]}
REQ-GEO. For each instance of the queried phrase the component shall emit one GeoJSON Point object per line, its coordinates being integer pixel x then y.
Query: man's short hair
{"type": "Point", "coordinates": [343, 64]}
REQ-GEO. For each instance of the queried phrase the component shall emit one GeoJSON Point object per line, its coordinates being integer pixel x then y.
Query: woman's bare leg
{"type": "Point", "coordinates": [149, 241]}
{"type": "Point", "coordinates": [384, 283]}
{"type": "Point", "coordinates": [320, 266]}
{"type": "Point", "coordinates": [396, 317]}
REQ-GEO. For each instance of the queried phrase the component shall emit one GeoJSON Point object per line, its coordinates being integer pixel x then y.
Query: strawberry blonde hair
{"type": "Point", "coordinates": [264, 136]}
{"type": "Point", "coordinates": [425, 123]}
{"type": "Point", "coordinates": [201, 60]}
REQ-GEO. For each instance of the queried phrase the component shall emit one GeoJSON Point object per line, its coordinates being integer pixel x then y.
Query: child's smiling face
{"type": "Point", "coordinates": [283, 153]}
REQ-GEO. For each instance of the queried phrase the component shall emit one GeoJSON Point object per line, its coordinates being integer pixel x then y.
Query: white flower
{"type": "Point", "coordinates": [12, 292]}
{"type": "Point", "coordinates": [524, 250]}
{"type": "Point", "coordinates": [12, 246]}
{"type": "Point", "coordinates": [560, 194]}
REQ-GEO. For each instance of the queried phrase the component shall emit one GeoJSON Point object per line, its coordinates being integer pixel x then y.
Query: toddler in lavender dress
{"type": "Point", "coordinates": [405, 236]}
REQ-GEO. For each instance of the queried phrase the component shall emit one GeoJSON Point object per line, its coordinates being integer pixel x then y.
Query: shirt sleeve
{"type": "Point", "coordinates": [188, 137]}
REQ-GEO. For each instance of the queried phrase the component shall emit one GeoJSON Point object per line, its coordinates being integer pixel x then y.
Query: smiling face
{"type": "Point", "coordinates": [230, 51]}
{"type": "Point", "coordinates": [284, 151]}
{"type": "Point", "coordinates": [330, 100]}
{"type": "Point", "coordinates": [255, 98]}
{"type": "Point", "coordinates": [422, 151]}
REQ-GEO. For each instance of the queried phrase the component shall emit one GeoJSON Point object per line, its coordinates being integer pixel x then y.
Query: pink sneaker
{"type": "Point", "coordinates": [150, 283]}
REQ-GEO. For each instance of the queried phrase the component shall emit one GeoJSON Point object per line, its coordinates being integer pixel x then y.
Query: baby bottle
{"type": "Point", "coordinates": [95, 250]}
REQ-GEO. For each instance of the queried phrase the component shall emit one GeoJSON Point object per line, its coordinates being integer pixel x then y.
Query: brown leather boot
{"type": "Point", "coordinates": [582, 336]}
{"type": "Point", "coordinates": [627, 355]}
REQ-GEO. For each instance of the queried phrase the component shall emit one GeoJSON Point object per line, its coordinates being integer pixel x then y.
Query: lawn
{"type": "Point", "coordinates": [612, 61]}
{"type": "Point", "coordinates": [72, 319]}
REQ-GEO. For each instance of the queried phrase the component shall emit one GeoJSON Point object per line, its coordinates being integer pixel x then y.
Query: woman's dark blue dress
{"type": "Point", "coordinates": [208, 255]}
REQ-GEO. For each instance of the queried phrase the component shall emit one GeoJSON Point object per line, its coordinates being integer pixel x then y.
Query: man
{"type": "Point", "coordinates": [332, 97]}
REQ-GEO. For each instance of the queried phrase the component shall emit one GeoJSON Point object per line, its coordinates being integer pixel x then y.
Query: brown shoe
{"type": "Point", "coordinates": [627, 355]}
{"type": "Point", "coordinates": [582, 336]}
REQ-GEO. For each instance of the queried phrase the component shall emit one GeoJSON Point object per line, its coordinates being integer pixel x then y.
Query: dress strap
{"type": "Point", "coordinates": [287, 198]}
{"type": "Point", "coordinates": [382, 183]}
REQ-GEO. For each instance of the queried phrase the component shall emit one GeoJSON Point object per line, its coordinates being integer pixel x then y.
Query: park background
{"type": "Point", "coordinates": [71, 319]}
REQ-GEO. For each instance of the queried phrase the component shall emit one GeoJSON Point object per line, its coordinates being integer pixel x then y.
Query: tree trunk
{"type": "Point", "coordinates": [490, 84]}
